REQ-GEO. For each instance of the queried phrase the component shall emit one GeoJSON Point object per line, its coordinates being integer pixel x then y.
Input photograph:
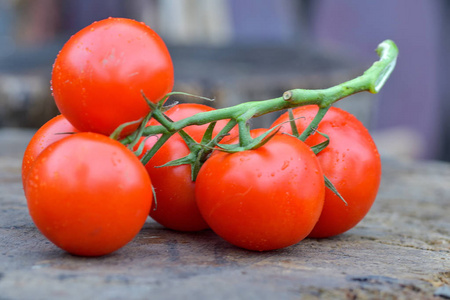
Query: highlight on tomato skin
{"type": "Point", "coordinates": [262, 199]}
{"type": "Point", "coordinates": [53, 130]}
{"type": "Point", "coordinates": [101, 72]}
{"type": "Point", "coordinates": [88, 194]}
{"type": "Point", "coordinates": [351, 162]}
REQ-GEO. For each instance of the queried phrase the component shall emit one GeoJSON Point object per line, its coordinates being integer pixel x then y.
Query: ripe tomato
{"type": "Point", "coordinates": [52, 131]}
{"type": "Point", "coordinates": [100, 72]}
{"type": "Point", "coordinates": [262, 199]}
{"type": "Point", "coordinates": [351, 162]}
{"type": "Point", "coordinates": [88, 194]}
{"type": "Point", "coordinates": [176, 207]}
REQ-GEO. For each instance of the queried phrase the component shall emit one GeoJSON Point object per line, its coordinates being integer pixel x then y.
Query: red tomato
{"type": "Point", "coordinates": [176, 207]}
{"type": "Point", "coordinates": [88, 194]}
{"type": "Point", "coordinates": [100, 72]}
{"type": "Point", "coordinates": [351, 162]}
{"type": "Point", "coordinates": [262, 199]}
{"type": "Point", "coordinates": [52, 131]}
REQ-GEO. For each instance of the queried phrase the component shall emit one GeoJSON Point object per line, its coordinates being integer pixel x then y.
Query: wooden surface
{"type": "Point", "coordinates": [400, 251]}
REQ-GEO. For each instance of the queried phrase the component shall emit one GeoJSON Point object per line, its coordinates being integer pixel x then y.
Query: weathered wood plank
{"type": "Point", "coordinates": [400, 251]}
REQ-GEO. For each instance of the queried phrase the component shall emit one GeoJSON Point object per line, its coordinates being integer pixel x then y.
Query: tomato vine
{"type": "Point", "coordinates": [372, 81]}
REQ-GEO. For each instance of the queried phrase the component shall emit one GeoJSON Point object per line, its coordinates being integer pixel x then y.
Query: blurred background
{"type": "Point", "coordinates": [241, 50]}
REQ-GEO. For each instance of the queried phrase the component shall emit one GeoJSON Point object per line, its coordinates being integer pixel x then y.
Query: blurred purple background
{"type": "Point", "coordinates": [318, 43]}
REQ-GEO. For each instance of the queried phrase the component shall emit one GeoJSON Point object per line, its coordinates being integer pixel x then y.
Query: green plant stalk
{"type": "Point", "coordinates": [314, 123]}
{"type": "Point", "coordinates": [372, 81]}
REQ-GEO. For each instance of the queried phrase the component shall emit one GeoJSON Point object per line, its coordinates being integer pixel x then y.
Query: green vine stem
{"type": "Point", "coordinates": [372, 81]}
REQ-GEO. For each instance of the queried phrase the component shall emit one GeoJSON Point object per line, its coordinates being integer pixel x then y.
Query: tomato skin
{"type": "Point", "coordinates": [55, 129]}
{"type": "Point", "coordinates": [100, 72]}
{"type": "Point", "coordinates": [88, 194]}
{"type": "Point", "coordinates": [175, 191]}
{"type": "Point", "coordinates": [262, 199]}
{"type": "Point", "coordinates": [351, 162]}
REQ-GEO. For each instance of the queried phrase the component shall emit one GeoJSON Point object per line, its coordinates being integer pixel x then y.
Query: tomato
{"type": "Point", "coordinates": [100, 72]}
{"type": "Point", "coordinates": [351, 162]}
{"type": "Point", "coordinates": [52, 131]}
{"type": "Point", "coordinates": [176, 207]}
{"type": "Point", "coordinates": [262, 199]}
{"type": "Point", "coordinates": [88, 194]}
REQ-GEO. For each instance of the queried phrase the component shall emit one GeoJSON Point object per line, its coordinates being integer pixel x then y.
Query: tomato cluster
{"type": "Point", "coordinates": [90, 194]}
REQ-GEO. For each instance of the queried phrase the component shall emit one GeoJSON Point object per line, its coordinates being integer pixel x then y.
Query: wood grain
{"type": "Point", "coordinates": [399, 251]}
